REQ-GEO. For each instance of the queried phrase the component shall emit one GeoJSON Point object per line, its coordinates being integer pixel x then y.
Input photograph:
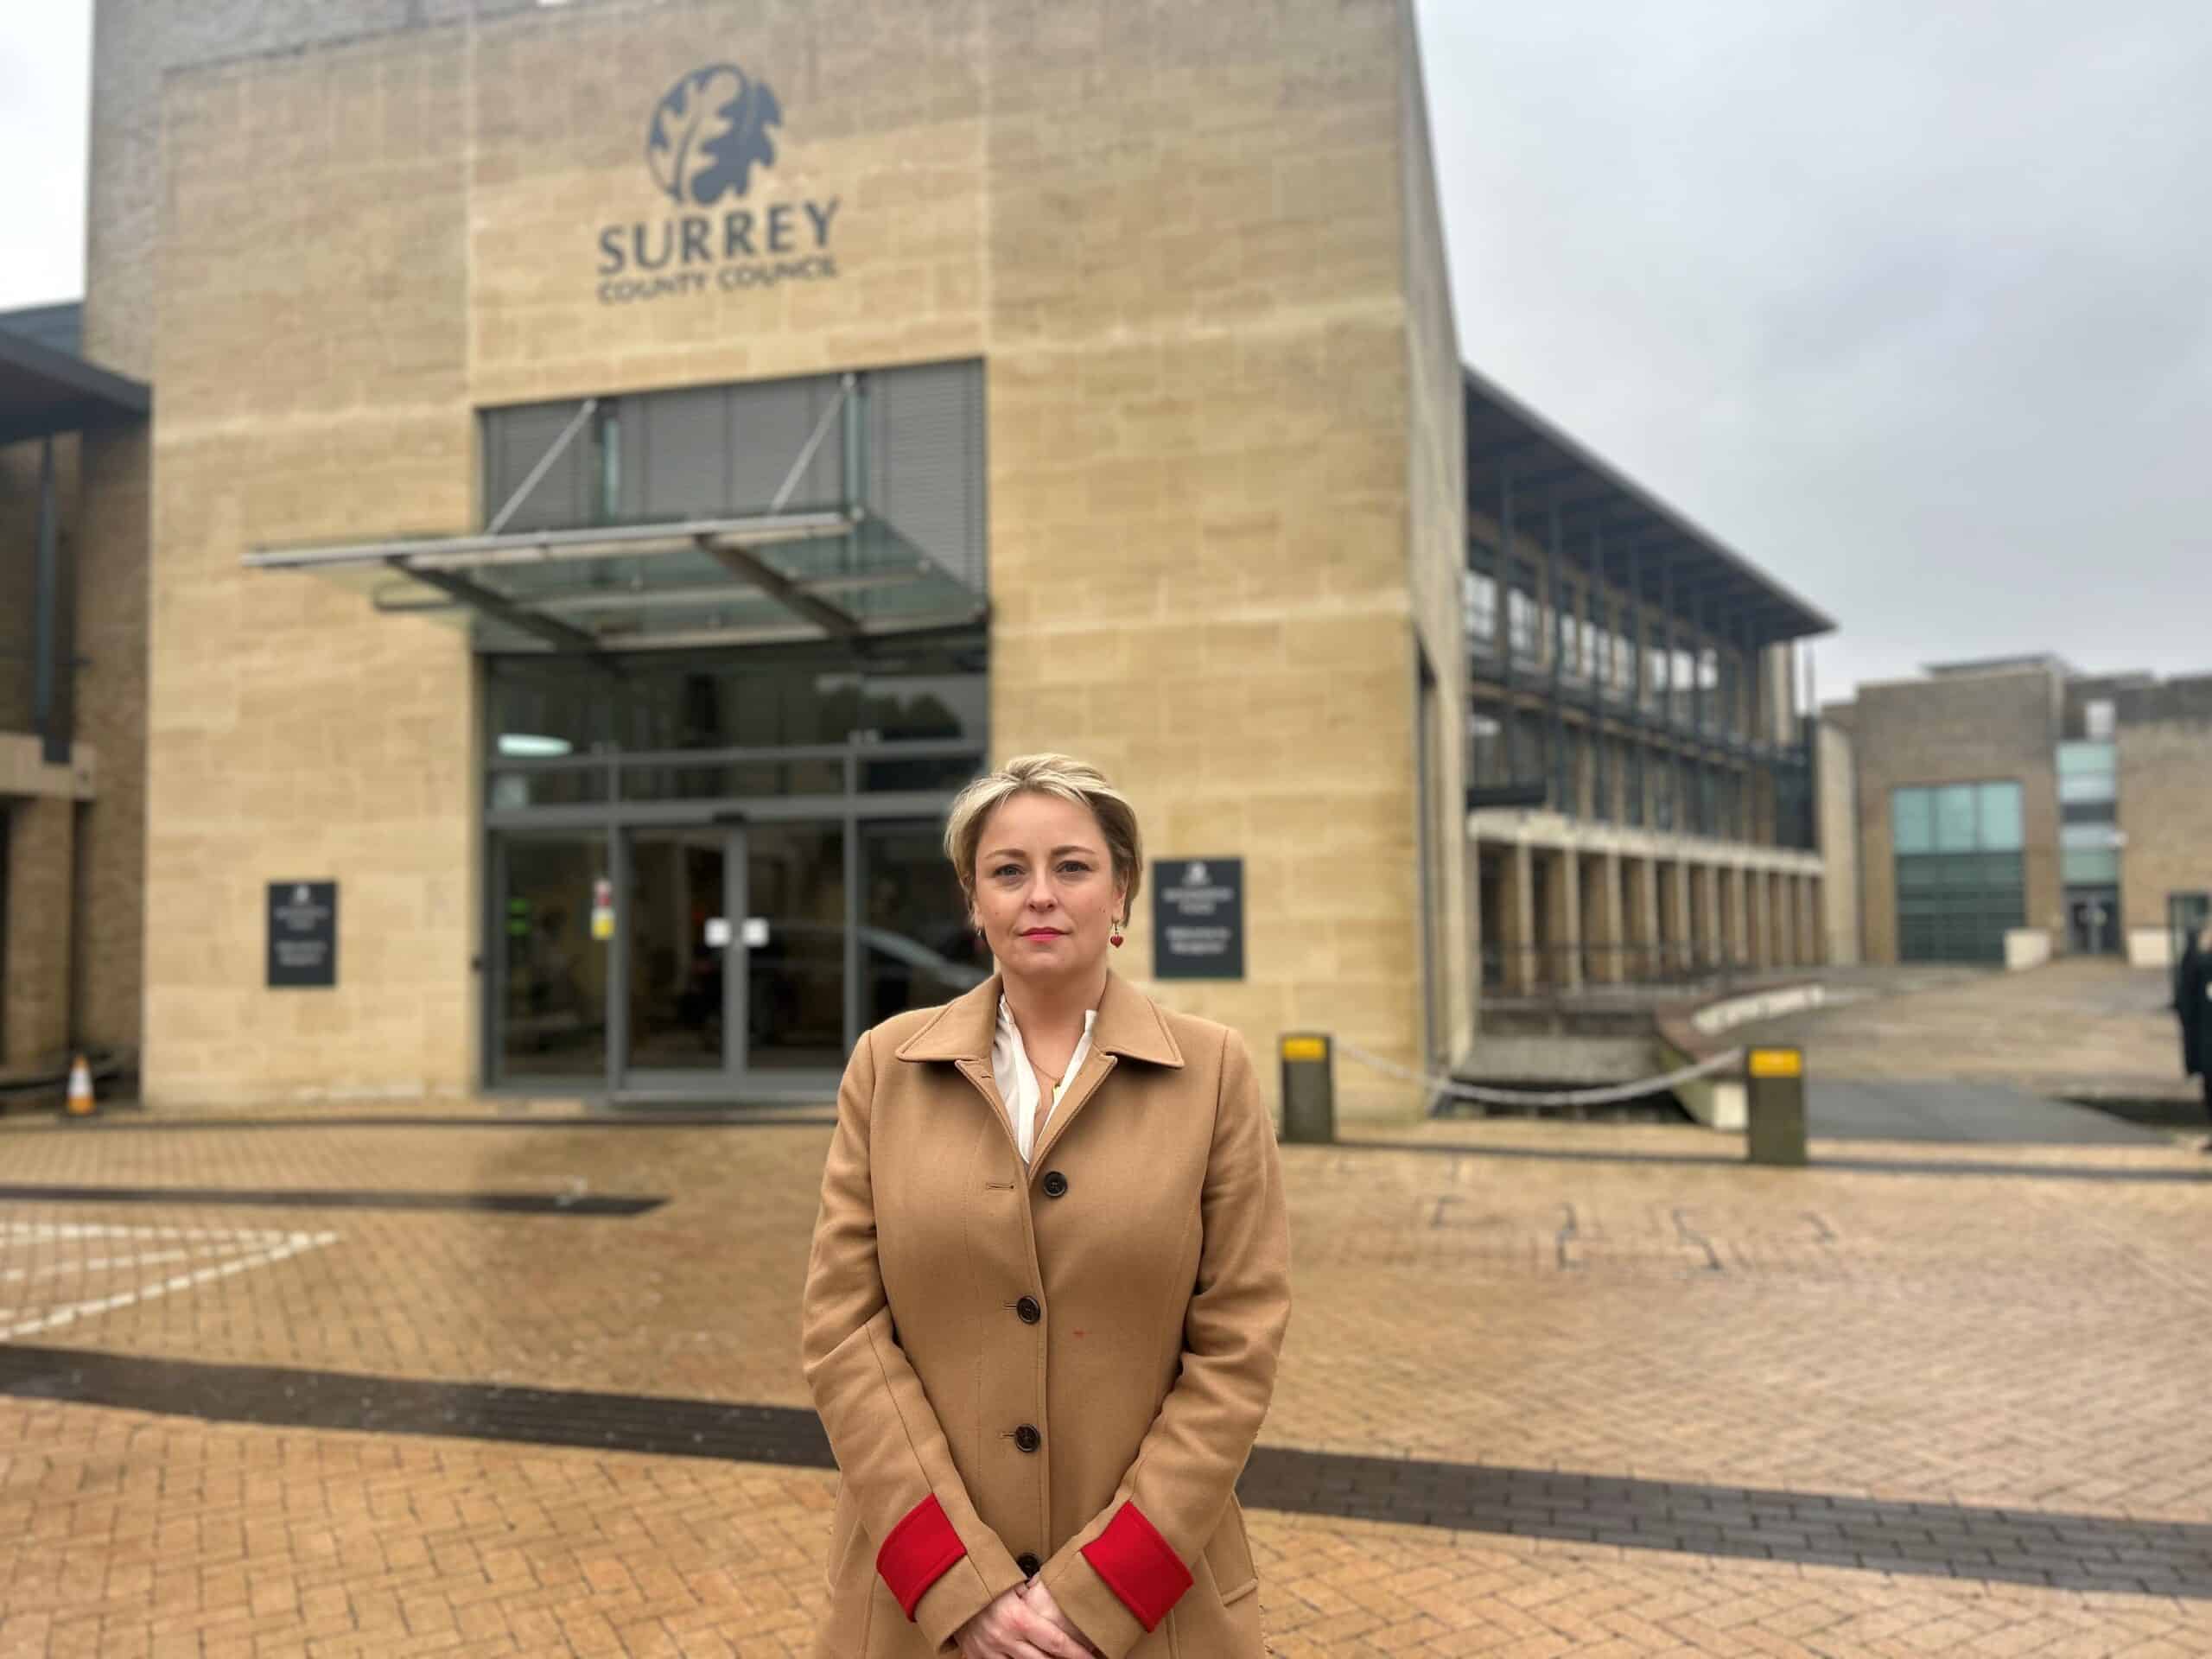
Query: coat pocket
{"type": "Point", "coordinates": [1229, 1556]}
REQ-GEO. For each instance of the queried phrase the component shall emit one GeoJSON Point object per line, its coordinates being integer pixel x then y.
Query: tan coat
{"type": "Point", "coordinates": [1061, 1371]}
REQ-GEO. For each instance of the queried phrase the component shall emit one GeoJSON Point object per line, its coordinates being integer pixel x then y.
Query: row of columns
{"type": "Point", "coordinates": [1570, 918]}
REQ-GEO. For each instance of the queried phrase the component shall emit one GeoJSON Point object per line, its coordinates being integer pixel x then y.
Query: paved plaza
{"type": "Point", "coordinates": [415, 1388]}
{"type": "Point", "coordinates": [2080, 1027]}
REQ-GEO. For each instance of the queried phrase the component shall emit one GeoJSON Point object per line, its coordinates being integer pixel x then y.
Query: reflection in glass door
{"type": "Point", "coordinates": [677, 933]}
{"type": "Point", "coordinates": [916, 946]}
{"type": "Point", "coordinates": [792, 934]}
{"type": "Point", "coordinates": [551, 998]}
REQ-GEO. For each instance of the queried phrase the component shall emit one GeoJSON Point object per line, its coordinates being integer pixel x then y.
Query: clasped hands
{"type": "Point", "coordinates": [1025, 1622]}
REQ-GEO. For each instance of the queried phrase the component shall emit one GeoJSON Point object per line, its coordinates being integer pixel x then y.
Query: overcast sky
{"type": "Point", "coordinates": [1910, 303]}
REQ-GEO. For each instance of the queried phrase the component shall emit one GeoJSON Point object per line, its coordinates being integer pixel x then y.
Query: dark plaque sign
{"type": "Point", "coordinates": [302, 934]}
{"type": "Point", "coordinates": [1198, 918]}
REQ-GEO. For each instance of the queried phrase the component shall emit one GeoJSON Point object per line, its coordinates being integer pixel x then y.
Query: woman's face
{"type": "Point", "coordinates": [1045, 896]}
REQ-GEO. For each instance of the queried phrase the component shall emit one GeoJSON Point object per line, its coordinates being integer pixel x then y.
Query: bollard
{"type": "Point", "coordinates": [1309, 1088]}
{"type": "Point", "coordinates": [1774, 1102]}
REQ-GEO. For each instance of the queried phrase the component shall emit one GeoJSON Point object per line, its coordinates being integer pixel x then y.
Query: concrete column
{"type": "Point", "coordinates": [41, 877]}
{"type": "Point", "coordinates": [1670, 896]}
{"type": "Point", "coordinates": [1471, 884]}
{"type": "Point", "coordinates": [1734, 945]}
{"type": "Point", "coordinates": [1604, 934]}
{"type": "Point", "coordinates": [1784, 900]}
{"type": "Point", "coordinates": [1641, 906]}
{"type": "Point", "coordinates": [1562, 919]}
{"type": "Point", "coordinates": [1704, 914]}
{"type": "Point", "coordinates": [1517, 921]}
{"type": "Point", "coordinates": [1811, 952]}
{"type": "Point", "coordinates": [1757, 919]}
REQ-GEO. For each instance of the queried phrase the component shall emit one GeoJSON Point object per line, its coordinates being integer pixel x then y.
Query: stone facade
{"type": "Point", "coordinates": [2164, 738]}
{"type": "Point", "coordinates": [1199, 257]}
{"type": "Point", "coordinates": [1978, 727]}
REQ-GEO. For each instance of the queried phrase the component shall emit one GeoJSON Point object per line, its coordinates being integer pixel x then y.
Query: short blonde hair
{"type": "Point", "coordinates": [1046, 774]}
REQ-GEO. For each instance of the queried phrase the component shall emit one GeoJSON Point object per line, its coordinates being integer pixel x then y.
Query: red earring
{"type": "Point", "coordinates": [1114, 939]}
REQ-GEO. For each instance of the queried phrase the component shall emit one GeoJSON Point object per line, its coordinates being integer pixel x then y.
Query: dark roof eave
{"type": "Point", "coordinates": [1808, 620]}
{"type": "Point", "coordinates": [43, 390]}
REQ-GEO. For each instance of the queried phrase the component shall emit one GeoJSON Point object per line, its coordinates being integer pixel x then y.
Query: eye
{"type": "Point", "coordinates": [1076, 865]}
{"type": "Point", "coordinates": [1007, 869]}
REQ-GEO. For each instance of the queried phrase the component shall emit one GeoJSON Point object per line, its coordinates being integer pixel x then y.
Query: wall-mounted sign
{"type": "Point", "coordinates": [302, 935]}
{"type": "Point", "coordinates": [704, 139]}
{"type": "Point", "coordinates": [1198, 918]}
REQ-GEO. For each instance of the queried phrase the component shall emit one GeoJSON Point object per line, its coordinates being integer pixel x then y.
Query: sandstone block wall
{"type": "Point", "coordinates": [1220, 416]}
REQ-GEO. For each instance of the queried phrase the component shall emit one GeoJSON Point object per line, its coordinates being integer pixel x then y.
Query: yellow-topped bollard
{"type": "Point", "coordinates": [1774, 1102]}
{"type": "Point", "coordinates": [1309, 1088]}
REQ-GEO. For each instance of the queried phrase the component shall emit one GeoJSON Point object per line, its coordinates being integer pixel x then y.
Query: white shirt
{"type": "Point", "coordinates": [1017, 1081]}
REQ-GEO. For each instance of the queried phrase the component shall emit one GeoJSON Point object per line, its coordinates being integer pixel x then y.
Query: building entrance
{"type": "Point", "coordinates": [2093, 921]}
{"type": "Point", "coordinates": [719, 960]}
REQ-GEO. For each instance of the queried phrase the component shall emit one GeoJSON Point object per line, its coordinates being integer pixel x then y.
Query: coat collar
{"type": "Point", "coordinates": [1130, 1024]}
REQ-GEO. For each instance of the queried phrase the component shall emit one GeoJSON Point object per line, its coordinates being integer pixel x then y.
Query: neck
{"type": "Point", "coordinates": [1043, 1010]}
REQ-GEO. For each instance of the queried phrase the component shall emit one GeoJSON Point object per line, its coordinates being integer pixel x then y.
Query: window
{"type": "Point", "coordinates": [1998, 808]}
{"type": "Point", "coordinates": [1520, 625]}
{"type": "Point", "coordinates": [2087, 868]}
{"type": "Point", "coordinates": [1961, 870]}
{"type": "Point", "coordinates": [1486, 745]}
{"type": "Point", "coordinates": [1479, 593]}
{"type": "Point", "coordinates": [2088, 855]}
{"type": "Point", "coordinates": [1912, 822]}
{"type": "Point", "coordinates": [2097, 719]}
{"type": "Point", "coordinates": [2087, 772]}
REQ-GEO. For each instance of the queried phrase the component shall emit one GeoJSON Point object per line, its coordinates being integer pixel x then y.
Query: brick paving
{"type": "Point", "coordinates": [1624, 1332]}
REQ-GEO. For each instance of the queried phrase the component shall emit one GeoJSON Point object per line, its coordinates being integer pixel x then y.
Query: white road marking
{"type": "Point", "coordinates": [228, 1246]}
{"type": "Point", "coordinates": [266, 1247]}
{"type": "Point", "coordinates": [32, 1231]}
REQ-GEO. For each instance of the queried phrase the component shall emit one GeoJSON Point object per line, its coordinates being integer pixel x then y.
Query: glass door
{"type": "Point", "coordinates": [676, 934]}
{"type": "Point", "coordinates": [791, 934]}
{"type": "Point", "coordinates": [553, 895]}
{"type": "Point", "coordinates": [718, 961]}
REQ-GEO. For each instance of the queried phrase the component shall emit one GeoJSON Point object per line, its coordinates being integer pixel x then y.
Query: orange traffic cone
{"type": "Point", "coordinates": [80, 1089]}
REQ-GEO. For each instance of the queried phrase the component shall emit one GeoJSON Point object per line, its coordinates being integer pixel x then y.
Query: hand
{"type": "Point", "coordinates": [1011, 1628]}
{"type": "Point", "coordinates": [1040, 1599]}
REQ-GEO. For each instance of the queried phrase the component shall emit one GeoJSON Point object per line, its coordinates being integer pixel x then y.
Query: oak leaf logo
{"type": "Point", "coordinates": [708, 132]}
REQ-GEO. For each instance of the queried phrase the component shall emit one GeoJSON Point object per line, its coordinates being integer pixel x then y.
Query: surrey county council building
{"type": "Point", "coordinates": [542, 505]}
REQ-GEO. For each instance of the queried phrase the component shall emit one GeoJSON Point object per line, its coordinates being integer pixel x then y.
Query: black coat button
{"type": "Point", "coordinates": [1027, 1438]}
{"type": "Point", "coordinates": [1029, 1311]}
{"type": "Point", "coordinates": [1028, 1564]}
{"type": "Point", "coordinates": [1056, 1185]}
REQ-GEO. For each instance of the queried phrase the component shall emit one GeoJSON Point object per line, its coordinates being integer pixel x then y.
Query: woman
{"type": "Point", "coordinates": [1050, 1279]}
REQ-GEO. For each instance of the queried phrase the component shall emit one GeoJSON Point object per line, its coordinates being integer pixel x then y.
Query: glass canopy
{"type": "Point", "coordinates": [796, 574]}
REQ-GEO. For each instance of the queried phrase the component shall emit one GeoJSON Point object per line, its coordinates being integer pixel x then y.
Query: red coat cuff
{"type": "Point", "coordinates": [1138, 1565]}
{"type": "Point", "coordinates": [918, 1551]}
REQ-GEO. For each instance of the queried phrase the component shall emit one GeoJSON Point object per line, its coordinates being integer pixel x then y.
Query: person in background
{"type": "Point", "coordinates": [2193, 1004]}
